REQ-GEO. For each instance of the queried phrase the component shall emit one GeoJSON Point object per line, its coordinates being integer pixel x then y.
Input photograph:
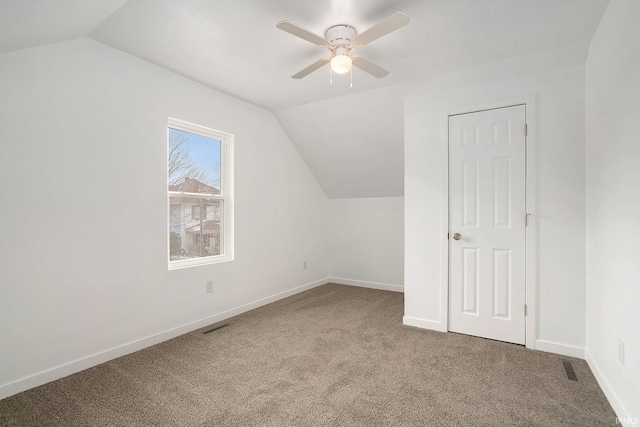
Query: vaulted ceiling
{"type": "Point", "coordinates": [351, 137]}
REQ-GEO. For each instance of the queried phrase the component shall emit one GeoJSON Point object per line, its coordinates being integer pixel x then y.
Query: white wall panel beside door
{"type": "Point", "coordinates": [487, 152]}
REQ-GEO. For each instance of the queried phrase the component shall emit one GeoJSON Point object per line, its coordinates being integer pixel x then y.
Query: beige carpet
{"type": "Point", "coordinates": [334, 355]}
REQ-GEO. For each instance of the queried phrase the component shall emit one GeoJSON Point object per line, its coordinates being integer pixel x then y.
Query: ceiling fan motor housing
{"type": "Point", "coordinates": [340, 35]}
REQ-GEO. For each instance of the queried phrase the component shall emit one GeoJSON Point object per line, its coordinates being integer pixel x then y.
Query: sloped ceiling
{"type": "Point", "coordinates": [351, 138]}
{"type": "Point", "coordinates": [31, 23]}
{"type": "Point", "coordinates": [354, 143]}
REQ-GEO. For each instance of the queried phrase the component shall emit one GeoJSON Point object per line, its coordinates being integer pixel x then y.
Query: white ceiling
{"type": "Point", "coordinates": [351, 139]}
{"type": "Point", "coordinates": [31, 23]}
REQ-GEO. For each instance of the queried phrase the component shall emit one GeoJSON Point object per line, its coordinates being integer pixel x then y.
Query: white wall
{"type": "Point", "coordinates": [83, 230]}
{"type": "Point", "coordinates": [555, 81]}
{"type": "Point", "coordinates": [613, 206]}
{"type": "Point", "coordinates": [366, 245]}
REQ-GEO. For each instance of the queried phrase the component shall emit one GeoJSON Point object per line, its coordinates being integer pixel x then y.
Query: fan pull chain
{"type": "Point", "coordinates": [330, 75]}
{"type": "Point", "coordinates": [351, 77]}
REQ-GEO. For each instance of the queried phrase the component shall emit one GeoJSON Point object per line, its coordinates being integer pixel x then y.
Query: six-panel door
{"type": "Point", "coordinates": [487, 209]}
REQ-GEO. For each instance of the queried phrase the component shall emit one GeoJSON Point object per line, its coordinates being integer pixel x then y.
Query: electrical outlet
{"type": "Point", "coordinates": [620, 351]}
{"type": "Point", "coordinates": [209, 287]}
{"type": "Point", "coordinates": [304, 264]}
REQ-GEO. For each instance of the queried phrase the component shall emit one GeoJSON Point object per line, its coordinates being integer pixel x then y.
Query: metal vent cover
{"type": "Point", "coordinates": [569, 370]}
{"type": "Point", "coordinates": [216, 328]}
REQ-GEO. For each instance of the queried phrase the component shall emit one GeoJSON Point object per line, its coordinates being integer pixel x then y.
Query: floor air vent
{"type": "Point", "coordinates": [216, 328]}
{"type": "Point", "coordinates": [569, 370]}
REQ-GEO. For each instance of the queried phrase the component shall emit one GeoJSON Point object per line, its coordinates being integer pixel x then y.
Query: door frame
{"type": "Point", "coordinates": [529, 102]}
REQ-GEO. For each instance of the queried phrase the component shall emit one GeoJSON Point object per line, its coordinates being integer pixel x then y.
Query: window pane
{"type": "Point", "coordinates": [194, 163]}
{"type": "Point", "coordinates": [195, 237]}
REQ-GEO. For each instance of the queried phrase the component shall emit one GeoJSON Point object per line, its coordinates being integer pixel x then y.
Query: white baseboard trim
{"type": "Point", "coordinates": [363, 284]}
{"type": "Point", "coordinates": [623, 416]}
{"type": "Point", "coordinates": [563, 349]}
{"type": "Point", "coordinates": [66, 369]}
{"type": "Point", "coordinates": [423, 323]}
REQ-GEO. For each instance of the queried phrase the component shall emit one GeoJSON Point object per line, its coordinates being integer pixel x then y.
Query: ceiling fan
{"type": "Point", "coordinates": [341, 40]}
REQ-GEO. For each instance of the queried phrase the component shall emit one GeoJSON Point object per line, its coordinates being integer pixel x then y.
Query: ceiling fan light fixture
{"type": "Point", "coordinates": [341, 64]}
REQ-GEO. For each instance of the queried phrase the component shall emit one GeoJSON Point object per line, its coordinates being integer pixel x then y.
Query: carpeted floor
{"type": "Point", "coordinates": [334, 355]}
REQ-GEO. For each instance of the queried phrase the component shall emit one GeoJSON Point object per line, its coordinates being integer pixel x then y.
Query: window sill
{"type": "Point", "coordinates": [195, 262]}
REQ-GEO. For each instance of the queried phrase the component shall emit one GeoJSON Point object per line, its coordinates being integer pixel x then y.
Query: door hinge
{"type": "Point", "coordinates": [447, 236]}
{"type": "Point", "coordinates": [526, 219]}
{"type": "Point", "coordinates": [526, 130]}
{"type": "Point", "coordinates": [525, 310]}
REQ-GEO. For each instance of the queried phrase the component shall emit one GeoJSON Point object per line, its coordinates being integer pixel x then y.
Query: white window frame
{"type": "Point", "coordinates": [226, 195]}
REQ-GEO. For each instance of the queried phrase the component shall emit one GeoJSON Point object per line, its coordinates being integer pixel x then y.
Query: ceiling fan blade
{"type": "Point", "coordinates": [369, 67]}
{"type": "Point", "coordinates": [298, 31]}
{"type": "Point", "coordinates": [392, 23]}
{"type": "Point", "coordinates": [311, 68]}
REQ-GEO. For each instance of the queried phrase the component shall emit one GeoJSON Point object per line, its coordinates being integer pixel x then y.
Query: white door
{"type": "Point", "coordinates": [487, 224]}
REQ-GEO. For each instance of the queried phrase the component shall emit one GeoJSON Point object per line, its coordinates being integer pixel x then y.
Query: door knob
{"type": "Point", "coordinates": [456, 236]}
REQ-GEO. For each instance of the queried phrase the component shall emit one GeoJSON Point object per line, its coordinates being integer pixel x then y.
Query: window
{"type": "Point", "coordinates": [199, 194]}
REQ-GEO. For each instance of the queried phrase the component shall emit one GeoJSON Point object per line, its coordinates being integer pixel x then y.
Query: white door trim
{"type": "Point", "coordinates": [529, 101]}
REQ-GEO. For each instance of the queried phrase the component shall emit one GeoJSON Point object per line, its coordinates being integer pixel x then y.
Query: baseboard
{"type": "Point", "coordinates": [563, 349]}
{"type": "Point", "coordinates": [423, 323]}
{"type": "Point", "coordinates": [364, 284]}
{"type": "Point", "coordinates": [66, 369]}
{"type": "Point", "coordinates": [623, 416]}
